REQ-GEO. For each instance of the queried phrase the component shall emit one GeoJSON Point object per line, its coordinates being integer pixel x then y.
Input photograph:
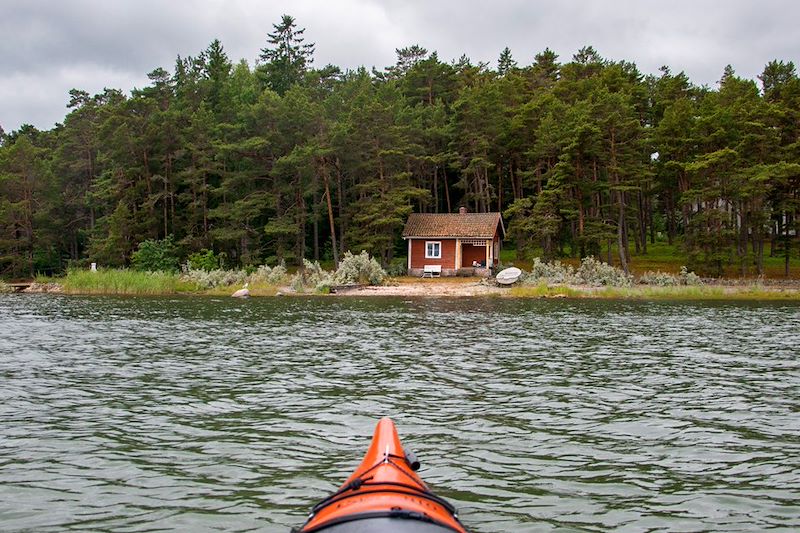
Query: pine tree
{"type": "Point", "coordinates": [286, 61]}
{"type": "Point", "coordinates": [505, 63]}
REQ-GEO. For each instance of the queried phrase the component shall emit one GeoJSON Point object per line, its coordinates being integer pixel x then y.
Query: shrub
{"type": "Point", "coordinates": [596, 273]}
{"type": "Point", "coordinates": [554, 272]}
{"type": "Point", "coordinates": [359, 269]}
{"type": "Point", "coordinates": [205, 260]}
{"type": "Point", "coordinates": [270, 275]}
{"type": "Point", "coordinates": [312, 276]}
{"type": "Point", "coordinates": [5, 287]}
{"type": "Point", "coordinates": [659, 279]}
{"type": "Point", "coordinates": [156, 256]}
{"type": "Point", "coordinates": [689, 278]}
{"type": "Point", "coordinates": [352, 269]}
{"type": "Point", "coordinates": [398, 267]}
{"type": "Point", "coordinates": [209, 279]}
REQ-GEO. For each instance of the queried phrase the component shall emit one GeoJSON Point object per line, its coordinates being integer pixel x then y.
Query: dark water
{"type": "Point", "coordinates": [215, 414]}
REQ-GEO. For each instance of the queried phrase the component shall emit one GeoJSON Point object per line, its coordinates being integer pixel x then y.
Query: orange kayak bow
{"type": "Point", "coordinates": [384, 494]}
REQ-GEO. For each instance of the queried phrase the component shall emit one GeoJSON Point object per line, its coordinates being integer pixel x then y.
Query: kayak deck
{"type": "Point", "coordinates": [371, 525]}
{"type": "Point", "coordinates": [384, 494]}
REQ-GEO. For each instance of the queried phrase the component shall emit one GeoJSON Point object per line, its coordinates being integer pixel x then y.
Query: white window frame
{"type": "Point", "coordinates": [431, 255]}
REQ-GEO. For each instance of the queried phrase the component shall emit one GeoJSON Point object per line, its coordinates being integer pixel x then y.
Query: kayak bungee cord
{"type": "Point", "coordinates": [359, 482]}
{"type": "Point", "coordinates": [384, 494]}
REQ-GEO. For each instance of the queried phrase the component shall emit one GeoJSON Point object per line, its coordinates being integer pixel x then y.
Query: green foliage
{"type": "Point", "coordinates": [156, 256]}
{"type": "Point", "coordinates": [398, 267]}
{"type": "Point", "coordinates": [286, 59]}
{"type": "Point", "coordinates": [205, 260]}
{"type": "Point", "coordinates": [5, 287]}
{"type": "Point", "coordinates": [285, 161]}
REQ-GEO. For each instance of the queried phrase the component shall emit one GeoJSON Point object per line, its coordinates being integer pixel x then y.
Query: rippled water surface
{"type": "Point", "coordinates": [147, 414]}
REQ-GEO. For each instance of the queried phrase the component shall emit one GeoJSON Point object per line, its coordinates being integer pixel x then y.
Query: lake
{"type": "Point", "coordinates": [197, 414]}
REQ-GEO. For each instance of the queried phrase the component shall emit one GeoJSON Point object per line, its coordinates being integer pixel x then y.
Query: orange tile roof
{"type": "Point", "coordinates": [455, 225]}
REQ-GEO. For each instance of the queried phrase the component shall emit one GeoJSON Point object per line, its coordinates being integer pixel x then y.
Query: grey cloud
{"type": "Point", "coordinates": [49, 47]}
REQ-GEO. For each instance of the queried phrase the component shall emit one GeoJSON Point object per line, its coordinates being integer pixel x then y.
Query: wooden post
{"type": "Point", "coordinates": [409, 256]}
{"type": "Point", "coordinates": [458, 255]}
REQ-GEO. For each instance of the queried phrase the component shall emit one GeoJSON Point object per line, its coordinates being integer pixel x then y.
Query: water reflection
{"type": "Point", "coordinates": [200, 414]}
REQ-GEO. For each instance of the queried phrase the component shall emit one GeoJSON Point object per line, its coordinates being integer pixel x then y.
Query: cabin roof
{"type": "Point", "coordinates": [453, 225]}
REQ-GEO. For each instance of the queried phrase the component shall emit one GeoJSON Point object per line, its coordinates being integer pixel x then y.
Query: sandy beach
{"type": "Point", "coordinates": [415, 287]}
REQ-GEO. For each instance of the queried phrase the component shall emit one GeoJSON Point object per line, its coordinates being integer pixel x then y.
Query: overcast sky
{"type": "Point", "coordinates": [48, 47]}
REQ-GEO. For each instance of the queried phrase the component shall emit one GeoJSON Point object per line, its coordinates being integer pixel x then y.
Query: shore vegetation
{"type": "Point", "coordinates": [358, 269]}
{"type": "Point", "coordinates": [122, 281]}
{"type": "Point", "coordinates": [228, 164]}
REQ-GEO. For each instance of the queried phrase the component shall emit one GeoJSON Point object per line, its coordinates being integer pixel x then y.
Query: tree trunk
{"type": "Point", "coordinates": [279, 238]}
{"type": "Point", "coordinates": [759, 243]}
{"type": "Point", "coordinates": [436, 188]}
{"type": "Point", "coordinates": [327, 194]}
{"type": "Point", "coordinates": [447, 193]}
{"type": "Point", "coordinates": [315, 215]}
{"type": "Point", "coordinates": [301, 222]}
{"type": "Point", "coordinates": [743, 222]}
{"type": "Point", "coordinates": [340, 207]}
{"type": "Point", "coordinates": [499, 189]}
{"type": "Point", "coordinates": [642, 221]}
{"type": "Point", "coordinates": [205, 210]}
{"type": "Point", "coordinates": [165, 205]}
{"type": "Point", "coordinates": [669, 212]}
{"type": "Point", "coordinates": [787, 247]}
{"type": "Point", "coordinates": [514, 185]}
{"type": "Point", "coordinates": [621, 234]}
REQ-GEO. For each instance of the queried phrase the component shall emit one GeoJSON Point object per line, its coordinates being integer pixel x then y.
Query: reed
{"type": "Point", "coordinates": [706, 292]}
{"type": "Point", "coordinates": [640, 292]}
{"type": "Point", "coordinates": [123, 281]}
{"type": "Point", "coordinates": [543, 290]}
{"type": "Point", "coordinates": [256, 289]}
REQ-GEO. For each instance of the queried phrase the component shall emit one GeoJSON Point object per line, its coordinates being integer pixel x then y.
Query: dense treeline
{"type": "Point", "coordinates": [284, 161]}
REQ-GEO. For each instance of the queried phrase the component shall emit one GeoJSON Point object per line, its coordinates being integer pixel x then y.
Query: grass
{"type": "Point", "coordinates": [122, 281]}
{"type": "Point", "coordinates": [643, 292]}
{"type": "Point", "coordinates": [543, 290]}
{"type": "Point", "coordinates": [133, 282]}
{"type": "Point", "coordinates": [665, 258]}
{"type": "Point", "coordinates": [705, 292]}
{"type": "Point", "coordinates": [256, 289]}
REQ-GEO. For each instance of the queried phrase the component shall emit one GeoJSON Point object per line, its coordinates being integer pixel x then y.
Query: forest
{"type": "Point", "coordinates": [283, 160]}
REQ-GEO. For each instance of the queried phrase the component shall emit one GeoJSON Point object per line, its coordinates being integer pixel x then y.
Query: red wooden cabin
{"type": "Point", "coordinates": [458, 243]}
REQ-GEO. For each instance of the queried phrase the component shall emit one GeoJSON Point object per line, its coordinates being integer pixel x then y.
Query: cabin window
{"type": "Point", "coordinates": [433, 249]}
